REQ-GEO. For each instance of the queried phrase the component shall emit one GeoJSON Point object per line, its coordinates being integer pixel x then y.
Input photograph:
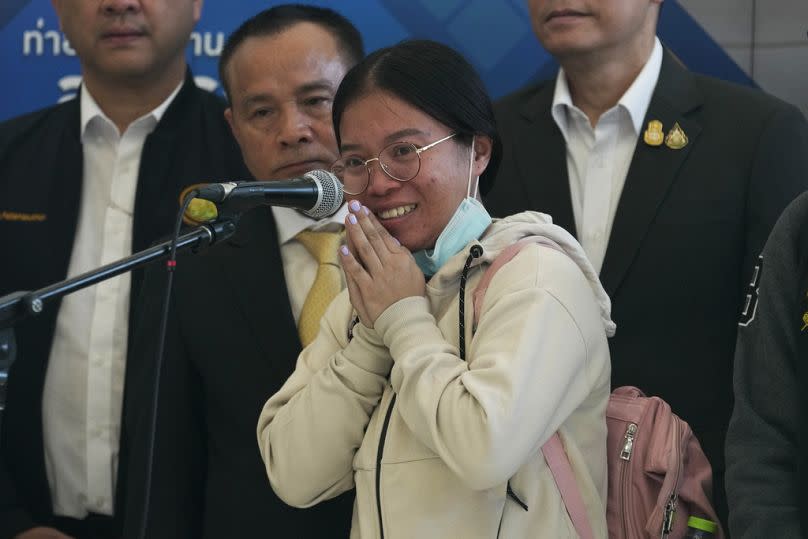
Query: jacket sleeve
{"type": "Point", "coordinates": [310, 430]}
{"type": "Point", "coordinates": [19, 140]}
{"type": "Point", "coordinates": [762, 449]}
{"type": "Point", "coordinates": [526, 373]}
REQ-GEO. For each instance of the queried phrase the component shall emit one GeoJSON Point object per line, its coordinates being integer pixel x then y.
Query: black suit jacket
{"type": "Point", "coordinates": [41, 168]}
{"type": "Point", "coordinates": [689, 226]}
{"type": "Point", "coordinates": [231, 344]}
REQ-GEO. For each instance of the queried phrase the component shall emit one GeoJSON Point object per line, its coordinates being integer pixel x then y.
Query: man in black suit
{"type": "Point", "coordinates": [232, 338]}
{"type": "Point", "coordinates": [81, 184]}
{"type": "Point", "coordinates": [670, 180]}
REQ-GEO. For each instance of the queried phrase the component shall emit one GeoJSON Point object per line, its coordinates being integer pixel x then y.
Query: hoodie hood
{"type": "Point", "coordinates": [505, 232]}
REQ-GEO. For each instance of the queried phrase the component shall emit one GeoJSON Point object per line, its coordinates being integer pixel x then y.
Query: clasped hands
{"type": "Point", "coordinates": [378, 270]}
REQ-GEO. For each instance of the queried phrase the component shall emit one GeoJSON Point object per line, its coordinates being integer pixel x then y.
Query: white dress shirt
{"type": "Point", "coordinates": [598, 158]}
{"type": "Point", "coordinates": [83, 393]}
{"type": "Point", "coordinates": [299, 267]}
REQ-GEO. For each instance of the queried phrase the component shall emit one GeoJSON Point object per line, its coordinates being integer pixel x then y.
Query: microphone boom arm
{"type": "Point", "coordinates": [22, 304]}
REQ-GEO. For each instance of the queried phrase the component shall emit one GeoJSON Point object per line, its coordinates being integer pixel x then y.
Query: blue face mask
{"type": "Point", "coordinates": [468, 223]}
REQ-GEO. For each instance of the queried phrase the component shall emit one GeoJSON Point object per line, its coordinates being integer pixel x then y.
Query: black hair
{"type": "Point", "coordinates": [276, 19]}
{"type": "Point", "coordinates": [433, 78]}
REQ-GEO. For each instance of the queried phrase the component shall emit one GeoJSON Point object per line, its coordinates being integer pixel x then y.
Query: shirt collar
{"type": "Point", "coordinates": [90, 110]}
{"type": "Point", "coordinates": [562, 101]}
{"type": "Point", "coordinates": [635, 100]}
{"type": "Point", "coordinates": [638, 96]}
{"type": "Point", "coordinates": [290, 222]}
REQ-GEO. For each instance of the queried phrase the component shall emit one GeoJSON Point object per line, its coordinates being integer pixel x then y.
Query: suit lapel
{"type": "Point", "coordinates": [64, 191]}
{"type": "Point", "coordinates": [542, 159]}
{"type": "Point", "coordinates": [653, 170]}
{"type": "Point", "coordinates": [160, 171]}
{"type": "Point", "coordinates": [155, 199]}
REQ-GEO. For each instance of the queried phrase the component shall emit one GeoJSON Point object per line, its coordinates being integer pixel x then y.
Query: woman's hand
{"type": "Point", "coordinates": [378, 270]}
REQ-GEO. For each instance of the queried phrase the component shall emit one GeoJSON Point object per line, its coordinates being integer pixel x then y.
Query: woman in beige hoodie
{"type": "Point", "coordinates": [436, 423]}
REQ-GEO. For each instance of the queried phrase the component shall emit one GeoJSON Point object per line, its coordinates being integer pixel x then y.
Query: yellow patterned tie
{"type": "Point", "coordinates": [327, 283]}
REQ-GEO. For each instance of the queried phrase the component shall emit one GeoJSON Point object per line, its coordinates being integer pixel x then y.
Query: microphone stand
{"type": "Point", "coordinates": [19, 305]}
{"type": "Point", "coordinates": [22, 304]}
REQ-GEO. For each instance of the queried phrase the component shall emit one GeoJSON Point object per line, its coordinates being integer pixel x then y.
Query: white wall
{"type": "Point", "coordinates": [766, 38]}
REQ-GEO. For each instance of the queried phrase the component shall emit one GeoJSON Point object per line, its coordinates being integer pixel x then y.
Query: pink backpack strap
{"type": "Point", "coordinates": [559, 465]}
{"type": "Point", "coordinates": [553, 450]}
{"type": "Point", "coordinates": [503, 258]}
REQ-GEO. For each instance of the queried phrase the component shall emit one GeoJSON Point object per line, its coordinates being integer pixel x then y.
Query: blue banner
{"type": "Point", "coordinates": [40, 67]}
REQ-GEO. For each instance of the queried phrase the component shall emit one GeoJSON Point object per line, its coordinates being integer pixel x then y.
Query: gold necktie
{"type": "Point", "coordinates": [327, 283]}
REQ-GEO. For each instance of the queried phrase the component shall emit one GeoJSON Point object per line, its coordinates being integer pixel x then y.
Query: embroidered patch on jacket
{"type": "Point", "coordinates": [751, 300]}
{"type": "Point", "coordinates": [23, 217]}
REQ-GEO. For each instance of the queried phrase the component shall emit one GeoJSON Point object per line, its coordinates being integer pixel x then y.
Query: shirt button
{"type": "Point", "coordinates": [99, 503]}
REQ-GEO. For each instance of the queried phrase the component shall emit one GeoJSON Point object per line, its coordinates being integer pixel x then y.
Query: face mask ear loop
{"type": "Point", "coordinates": [471, 166]}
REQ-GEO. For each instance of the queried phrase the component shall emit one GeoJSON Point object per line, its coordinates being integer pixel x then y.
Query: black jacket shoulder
{"type": "Point", "coordinates": [746, 104]}
{"type": "Point", "coordinates": [792, 230]}
{"type": "Point", "coordinates": [513, 101]}
{"type": "Point", "coordinates": [21, 129]}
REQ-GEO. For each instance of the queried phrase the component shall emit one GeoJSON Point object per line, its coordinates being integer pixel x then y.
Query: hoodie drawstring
{"type": "Point", "coordinates": [475, 252]}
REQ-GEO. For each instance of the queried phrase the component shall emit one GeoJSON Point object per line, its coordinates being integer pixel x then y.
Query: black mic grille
{"type": "Point", "coordinates": [330, 198]}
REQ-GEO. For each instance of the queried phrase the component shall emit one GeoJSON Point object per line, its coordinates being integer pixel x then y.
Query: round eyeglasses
{"type": "Point", "coordinates": [401, 161]}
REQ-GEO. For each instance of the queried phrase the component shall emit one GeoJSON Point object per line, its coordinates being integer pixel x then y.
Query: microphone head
{"type": "Point", "coordinates": [330, 194]}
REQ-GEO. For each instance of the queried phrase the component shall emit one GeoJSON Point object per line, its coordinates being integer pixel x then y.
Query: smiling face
{"type": "Point", "coordinates": [129, 39]}
{"type": "Point", "coordinates": [414, 212]}
{"type": "Point", "coordinates": [573, 27]}
{"type": "Point", "coordinates": [281, 90]}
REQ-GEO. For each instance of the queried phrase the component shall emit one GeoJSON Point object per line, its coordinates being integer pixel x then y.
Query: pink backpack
{"type": "Point", "coordinates": [658, 473]}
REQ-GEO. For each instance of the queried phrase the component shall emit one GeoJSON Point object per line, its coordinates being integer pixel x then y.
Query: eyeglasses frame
{"type": "Point", "coordinates": [418, 152]}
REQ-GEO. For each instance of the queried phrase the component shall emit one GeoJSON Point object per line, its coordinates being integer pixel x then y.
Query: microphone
{"type": "Point", "coordinates": [317, 193]}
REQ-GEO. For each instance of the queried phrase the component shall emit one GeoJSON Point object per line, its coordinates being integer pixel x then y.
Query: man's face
{"type": "Point", "coordinates": [281, 92]}
{"type": "Point", "coordinates": [128, 38]}
{"type": "Point", "coordinates": [572, 27]}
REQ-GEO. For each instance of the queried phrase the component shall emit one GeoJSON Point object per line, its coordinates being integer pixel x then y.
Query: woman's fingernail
{"type": "Point", "coordinates": [343, 250]}
{"type": "Point", "coordinates": [352, 218]}
{"type": "Point", "coordinates": [366, 210]}
{"type": "Point", "coordinates": [397, 242]}
{"type": "Point", "coordinates": [355, 205]}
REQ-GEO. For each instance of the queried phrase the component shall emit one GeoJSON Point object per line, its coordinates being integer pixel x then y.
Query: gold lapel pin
{"type": "Point", "coordinates": [654, 136]}
{"type": "Point", "coordinates": [805, 320]}
{"type": "Point", "coordinates": [676, 139]}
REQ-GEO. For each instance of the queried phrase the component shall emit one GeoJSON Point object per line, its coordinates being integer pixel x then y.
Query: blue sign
{"type": "Point", "coordinates": [40, 67]}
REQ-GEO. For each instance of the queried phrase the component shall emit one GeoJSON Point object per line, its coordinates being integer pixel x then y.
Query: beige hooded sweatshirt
{"type": "Point", "coordinates": [441, 447]}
